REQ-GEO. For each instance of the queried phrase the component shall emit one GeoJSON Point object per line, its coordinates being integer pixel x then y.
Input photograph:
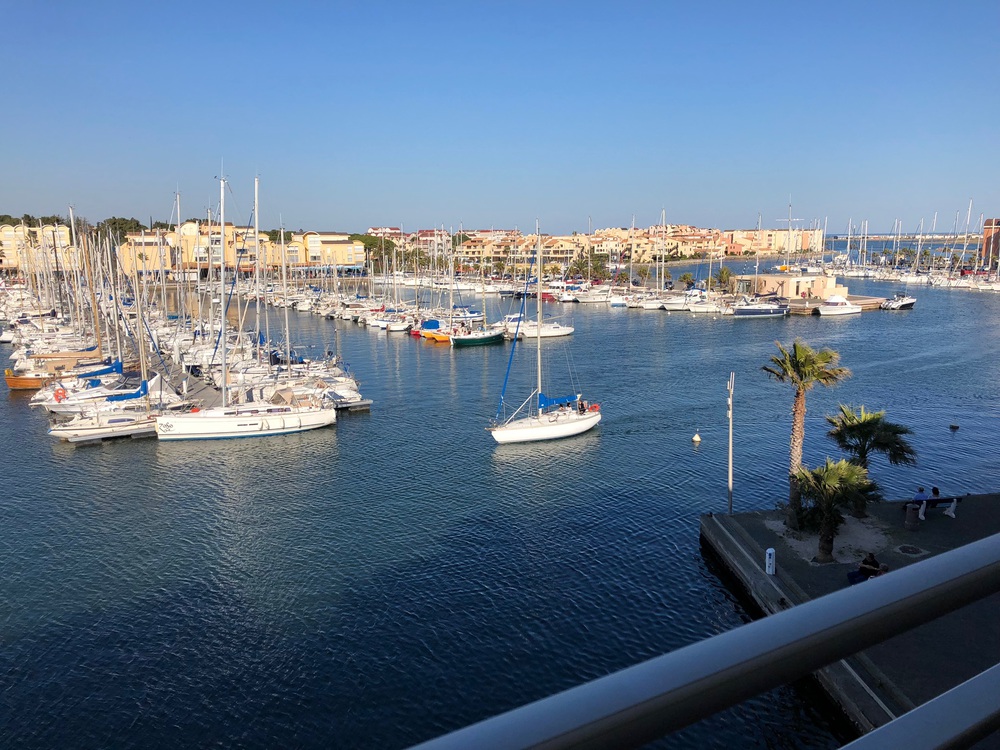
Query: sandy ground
{"type": "Point", "coordinates": [854, 538]}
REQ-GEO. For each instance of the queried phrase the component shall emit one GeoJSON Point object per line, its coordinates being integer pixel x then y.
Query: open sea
{"type": "Point", "coordinates": [381, 582]}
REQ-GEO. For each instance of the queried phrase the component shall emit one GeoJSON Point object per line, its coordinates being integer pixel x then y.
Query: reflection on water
{"type": "Point", "coordinates": [365, 585]}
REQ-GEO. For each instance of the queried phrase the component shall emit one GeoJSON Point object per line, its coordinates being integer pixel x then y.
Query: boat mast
{"type": "Point", "coordinates": [222, 287]}
{"type": "Point", "coordinates": [284, 291]}
{"type": "Point", "coordinates": [538, 304]}
{"type": "Point", "coordinates": [965, 240]}
{"type": "Point", "coordinates": [756, 252]}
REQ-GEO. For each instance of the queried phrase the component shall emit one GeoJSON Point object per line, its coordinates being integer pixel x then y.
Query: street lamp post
{"type": "Point", "coordinates": [732, 381]}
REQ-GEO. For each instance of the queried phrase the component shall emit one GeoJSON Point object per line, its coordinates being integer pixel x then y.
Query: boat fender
{"type": "Point", "coordinates": [60, 395]}
{"type": "Point", "coordinates": [595, 407]}
{"type": "Point", "coordinates": [195, 410]}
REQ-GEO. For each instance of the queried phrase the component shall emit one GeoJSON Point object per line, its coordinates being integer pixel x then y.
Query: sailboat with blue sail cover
{"type": "Point", "coordinates": [542, 417]}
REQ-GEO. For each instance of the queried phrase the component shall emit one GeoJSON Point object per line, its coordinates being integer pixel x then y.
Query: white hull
{"type": "Point", "coordinates": [244, 421]}
{"type": "Point", "coordinates": [548, 426]}
{"type": "Point", "coordinates": [837, 305]}
{"type": "Point", "coordinates": [839, 309]}
{"type": "Point", "coordinates": [83, 429]}
{"type": "Point", "coordinates": [549, 330]}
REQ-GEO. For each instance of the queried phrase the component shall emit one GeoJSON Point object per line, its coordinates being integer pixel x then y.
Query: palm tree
{"type": "Point", "coordinates": [803, 368]}
{"type": "Point", "coordinates": [831, 487]}
{"type": "Point", "coordinates": [687, 279]}
{"type": "Point", "coordinates": [862, 433]}
{"type": "Point", "coordinates": [724, 278]}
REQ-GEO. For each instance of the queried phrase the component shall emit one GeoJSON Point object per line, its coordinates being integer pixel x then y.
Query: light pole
{"type": "Point", "coordinates": [729, 402]}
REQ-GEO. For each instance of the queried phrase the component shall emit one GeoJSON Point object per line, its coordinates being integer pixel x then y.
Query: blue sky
{"type": "Point", "coordinates": [497, 113]}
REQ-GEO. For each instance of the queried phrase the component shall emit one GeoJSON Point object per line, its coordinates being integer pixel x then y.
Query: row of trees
{"type": "Point", "coordinates": [858, 432]}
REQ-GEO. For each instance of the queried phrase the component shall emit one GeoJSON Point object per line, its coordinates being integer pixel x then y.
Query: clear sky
{"type": "Point", "coordinates": [479, 114]}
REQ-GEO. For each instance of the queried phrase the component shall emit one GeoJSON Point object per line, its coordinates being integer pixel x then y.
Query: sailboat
{"type": "Point", "coordinates": [757, 306]}
{"type": "Point", "coordinates": [547, 418]}
{"type": "Point", "coordinates": [283, 412]}
{"type": "Point", "coordinates": [482, 335]}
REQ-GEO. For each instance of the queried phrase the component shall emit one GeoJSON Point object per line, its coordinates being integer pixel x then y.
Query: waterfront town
{"type": "Point", "coordinates": [193, 246]}
{"type": "Point", "coordinates": [191, 249]}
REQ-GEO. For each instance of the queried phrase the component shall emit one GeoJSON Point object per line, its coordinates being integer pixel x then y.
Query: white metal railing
{"type": "Point", "coordinates": [636, 705]}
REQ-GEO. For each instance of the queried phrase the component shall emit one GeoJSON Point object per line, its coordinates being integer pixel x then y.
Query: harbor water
{"type": "Point", "coordinates": [400, 575]}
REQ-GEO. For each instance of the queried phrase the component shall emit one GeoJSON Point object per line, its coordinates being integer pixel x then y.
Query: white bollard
{"type": "Point", "coordinates": [769, 561]}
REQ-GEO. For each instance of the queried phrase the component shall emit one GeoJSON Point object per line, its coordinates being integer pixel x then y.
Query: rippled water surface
{"type": "Point", "coordinates": [399, 575]}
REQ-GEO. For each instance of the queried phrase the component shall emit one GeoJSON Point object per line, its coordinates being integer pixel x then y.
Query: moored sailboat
{"type": "Point", "coordinates": [284, 412]}
{"type": "Point", "coordinates": [547, 418]}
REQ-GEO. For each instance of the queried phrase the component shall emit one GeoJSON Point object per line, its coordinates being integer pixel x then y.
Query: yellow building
{"type": "Point", "coordinates": [40, 249]}
{"type": "Point", "coordinates": [322, 252]}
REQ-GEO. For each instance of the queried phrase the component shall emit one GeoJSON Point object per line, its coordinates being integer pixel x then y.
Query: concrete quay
{"type": "Point", "coordinates": [885, 681]}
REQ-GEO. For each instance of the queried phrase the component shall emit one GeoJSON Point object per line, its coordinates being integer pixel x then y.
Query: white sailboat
{"type": "Point", "coordinates": [547, 418]}
{"type": "Point", "coordinates": [285, 412]}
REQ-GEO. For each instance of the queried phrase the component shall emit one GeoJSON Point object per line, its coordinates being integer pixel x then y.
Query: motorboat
{"type": "Point", "coordinates": [899, 302]}
{"type": "Point", "coordinates": [838, 305]}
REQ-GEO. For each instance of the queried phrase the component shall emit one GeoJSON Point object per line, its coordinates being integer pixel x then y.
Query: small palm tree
{"type": "Point", "coordinates": [862, 433]}
{"type": "Point", "coordinates": [803, 368]}
{"type": "Point", "coordinates": [687, 280]}
{"type": "Point", "coordinates": [724, 278]}
{"type": "Point", "coordinates": [831, 487]}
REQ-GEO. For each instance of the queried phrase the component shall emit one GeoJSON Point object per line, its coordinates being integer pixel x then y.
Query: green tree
{"type": "Point", "coordinates": [687, 279]}
{"type": "Point", "coordinates": [274, 235]}
{"type": "Point", "coordinates": [459, 239]}
{"type": "Point", "coordinates": [372, 243]}
{"type": "Point", "coordinates": [643, 274]}
{"type": "Point", "coordinates": [118, 227]}
{"type": "Point", "coordinates": [802, 368]}
{"type": "Point", "coordinates": [829, 488]}
{"type": "Point", "coordinates": [862, 433]}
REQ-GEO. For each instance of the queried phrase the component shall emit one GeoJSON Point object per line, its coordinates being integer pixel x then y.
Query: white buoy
{"type": "Point", "coordinates": [696, 438]}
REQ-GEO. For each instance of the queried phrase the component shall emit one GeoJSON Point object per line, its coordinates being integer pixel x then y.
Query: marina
{"type": "Point", "coordinates": [269, 592]}
{"type": "Point", "coordinates": [453, 386]}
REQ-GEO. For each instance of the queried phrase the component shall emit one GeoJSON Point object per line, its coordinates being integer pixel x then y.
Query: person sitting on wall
{"type": "Point", "coordinates": [867, 568]}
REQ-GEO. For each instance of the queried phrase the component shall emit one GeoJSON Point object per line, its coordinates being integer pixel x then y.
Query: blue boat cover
{"type": "Point", "coordinates": [141, 391]}
{"type": "Point", "coordinates": [116, 366]}
{"type": "Point", "coordinates": [544, 402]}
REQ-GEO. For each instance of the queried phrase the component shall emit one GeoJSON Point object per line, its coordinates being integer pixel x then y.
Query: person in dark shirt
{"type": "Point", "coordinates": [867, 568]}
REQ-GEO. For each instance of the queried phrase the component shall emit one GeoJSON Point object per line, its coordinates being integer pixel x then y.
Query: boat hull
{"type": "Point", "coordinates": [477, 339]}
{"type": "Point", "coordinates": [752, 311]}
{"type": "Point", "coordinates": [79, 431]}
{"type": "Point", "coordinates": [839, 310]}
{"type": "Point", "coordinates": [27, 382]}
{"type": "Point", "coordinates": [548, 426]}
{"type": "Point", "coordinates": [213, 424]}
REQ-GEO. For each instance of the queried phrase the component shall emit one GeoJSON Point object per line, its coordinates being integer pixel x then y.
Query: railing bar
{"type": "Point", "coordinates": [954, 720]}
{"type": "Point", "coordinates": [641, 703]}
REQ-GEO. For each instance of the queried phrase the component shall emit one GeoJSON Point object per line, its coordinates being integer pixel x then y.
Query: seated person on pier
{"type": "Point", "coordinates": [866, 569]}
{"type": "Point", "coordinates": [935, 500]}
